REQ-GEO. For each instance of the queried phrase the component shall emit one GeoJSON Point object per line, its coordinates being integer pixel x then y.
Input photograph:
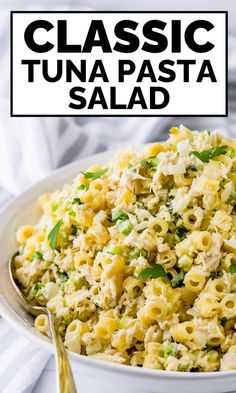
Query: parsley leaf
{"type": "Point", "coordinates": [94, 175]}
{"type": "Point", "coordinates": [178, 280]}
{"type": "Point", "coordinates": [152, 272]}
{"type": "Point", "coordinates": [181, 232]}
{"type": "Point", "coordinates": [232, 269]}
{"type": "Point", "coordinates": [223, 321]}
{"type": "Point", "coordinates": [76, 201]}
{"type": "Point", "coordinates": [207, 155]}
{"type": "Point", "coordinates": [53, 235]}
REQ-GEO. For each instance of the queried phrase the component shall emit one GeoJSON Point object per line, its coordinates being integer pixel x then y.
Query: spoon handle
{"type": "Point", "coordinates": [65, 379]}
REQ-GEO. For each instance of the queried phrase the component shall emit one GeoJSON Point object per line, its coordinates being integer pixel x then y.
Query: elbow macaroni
{"type": "Point", "coordinates": [136, 259]}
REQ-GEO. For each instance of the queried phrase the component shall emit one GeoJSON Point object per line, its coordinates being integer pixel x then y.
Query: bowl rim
{"type": "Point", "coordinates": [64, 172]}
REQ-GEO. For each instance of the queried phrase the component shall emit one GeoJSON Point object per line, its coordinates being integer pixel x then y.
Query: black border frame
{"type": "Point", "coordinates": [118, 12]}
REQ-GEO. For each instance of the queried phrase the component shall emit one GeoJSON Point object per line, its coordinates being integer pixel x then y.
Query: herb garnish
{"type": "Point", "coordinates": [137, 252]}
{"type": "Point", "coordinates": [76, 201]}
{"type": "Point", "coordinates": [119, 215]}
{"type": "Point", "coordinates": [37, 255]}
{"type": "Point", "coordinates": [125, 227]}
{"type": "Point", "coordinates": [82, 187]}
{"type": "Point", "coordinates": [74, 230]}
{"type": "Point", "coordinates": [223, 321]}
{"type": "Point", "coordinates": [38, 286]}
{"type": "Point", "coordinates": [178, 280]}
{"type": "Point", "coordinates": [94, 175]}
{"type": "Point", "coordinates": [207, 155]}
{"type": "Point", "coordinates": [181, 232]}
{"type": "Point", "coordinates": [53, 235]}
{"type": "Point", "coordinates": [151, 162]}
{"type": "Point", "coordinates": [232, 269]}
{"type": "Point", "coordinates": [152, 272]}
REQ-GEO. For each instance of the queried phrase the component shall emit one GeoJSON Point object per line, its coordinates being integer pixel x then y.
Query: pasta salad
{"type": "Point", "coordinates": [137, 258]}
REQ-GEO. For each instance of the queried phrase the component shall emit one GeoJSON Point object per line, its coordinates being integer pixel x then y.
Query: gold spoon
{"type": "Point", "coordinates": [65, 380]}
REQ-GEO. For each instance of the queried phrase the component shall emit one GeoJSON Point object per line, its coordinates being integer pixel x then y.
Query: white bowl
{"type": "Point", "coordinates": [106, 377]}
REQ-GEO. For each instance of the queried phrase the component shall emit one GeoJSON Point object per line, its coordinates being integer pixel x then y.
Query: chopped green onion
{"type": "Point", "coordinates": [169, 351]}
{"type": "Point", "coordinates": [191, 168]}
{"type": "Point", "coordinates": [76, 201]}
{"type": "Point", "coordinates": [231, 154]}
{"type": "Point", "coordinates": [151, 162]}
{"type": "Point", "coordinates": [178, 280]}
{"type": "Point", "coordinates": [55, 206]}
{"type": "Point", "coordinates": [38, 286]}
{"type": "Point", "coordinates": [37, 255]}
{"type": "Point", "coordinates": [232, 269]}
{"type": "Point", "coordinates": [138, 252]}
{"type": "Point", "coordinates": [125, 227]}
{"type": "Point", "coordinates": [119, 215]}
{"type": "Point", "coordinates": [232, 196]}
{"type": "Point", "coordinates": [116, 250]}
{"type": "Point", "coordinates": [82, 187]}
{"type": "Point", "coordinates": [171, 209]}
{"type": "Point", "coordinates": [183, 367]}
{"type": "Point", "coordinates": [74, 276]}
{"type": "Point", "coordinates": [21, 250]}
{"type": "Point", "coordinates": [131, 167]}
{"type": "Point", "coordinates": [72, 213]}
{"type": "Point", "coordinates": [64, 278]}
